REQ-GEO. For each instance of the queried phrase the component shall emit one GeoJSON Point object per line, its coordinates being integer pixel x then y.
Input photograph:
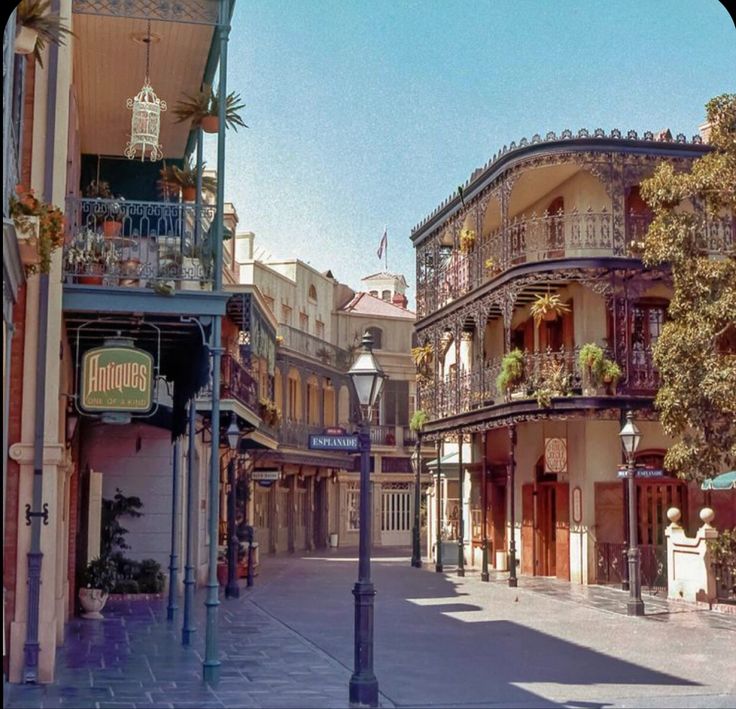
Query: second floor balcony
{"type": "Point", "coordinates": [314, 347]}
{"type": "Point", "coordinates": [238, 390]}
{"type": "Point", "coordinates": [546, 376]}
{"type": "Point", "coordinates": [162, 246]}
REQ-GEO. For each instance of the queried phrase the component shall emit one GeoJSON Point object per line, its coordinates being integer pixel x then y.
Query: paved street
{"type": "Point", "coordinates": [441, 641]}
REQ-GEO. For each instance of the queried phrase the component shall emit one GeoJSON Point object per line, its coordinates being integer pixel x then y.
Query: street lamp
{"type": "Point", "coordinates": [231, 589]}
{"type": "Point", "coordinates": [368, 378]}
{"type": "Point", "coordinates": [630, 438]}
{"type": "Point", "coordinates": [416, 461]}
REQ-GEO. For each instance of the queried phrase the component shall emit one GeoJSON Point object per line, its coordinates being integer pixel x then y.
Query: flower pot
{"type": "Point", "coordinates": [111, 228]}
{"type": "Point", "coordinates": [550, 316]}
{"type": "Point", "coordinates": [94, 273]}
{"type": "Point", "coordinates": [189, 194]}
{"type": "Point", "coordinates": [93, 601]}
{"type": "Point", "coordinates": [25, 40]}
{"type": "Point", "coordinates": [130, 270]}
{"type": "Point", "coordinates": [222, 573]}
{"type": "Point", "coordinates": [210, 124]}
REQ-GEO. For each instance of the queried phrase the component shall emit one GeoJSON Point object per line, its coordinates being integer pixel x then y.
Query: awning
{"type": "Point", "coordinates": [449, 464]}
{"type": "Point", "coordinates": [724, 481]}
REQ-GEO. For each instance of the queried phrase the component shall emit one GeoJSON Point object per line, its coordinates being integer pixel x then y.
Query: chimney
{"type": "Point", "coordinates": [400, 300]}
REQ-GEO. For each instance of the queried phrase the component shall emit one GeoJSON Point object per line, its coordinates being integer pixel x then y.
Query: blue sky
{"type": "Point", "coordinates": [365, 114]}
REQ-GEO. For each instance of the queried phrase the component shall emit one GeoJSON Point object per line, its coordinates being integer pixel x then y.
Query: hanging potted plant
{"type": "Point", "coordinates": [39, 228]}
{"type": "Point", "coordinates": [418, 420]}
{"type": "Point", "coordinates": [89, 256]}
{"type": "Point", "coordinates": [185, 178]}
{"type": "Point", "coordinates": [98, 580]}
{"type": "Point", "coordinates": [203, 109]}
{"type": "Point", "coordinates": [467, 240]}
{"type": "Point", "coordinates": [422, 356]}
{"type": "Point", "coordinates": [590, 361]}
{"type": "Point", "coordinates": [610, 374]}
{"type": "Point", "coordinates": [512, 372]}
{"type": "Point", "coordinates": [548, 307]}
{"type": "Point", "coordinates": [36, 27]}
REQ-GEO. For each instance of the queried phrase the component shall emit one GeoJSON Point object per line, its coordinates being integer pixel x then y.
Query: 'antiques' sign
{"type": "Point", "coordinates": [555, 455]}
{"type": "Point", "coordinates": [116, 379]}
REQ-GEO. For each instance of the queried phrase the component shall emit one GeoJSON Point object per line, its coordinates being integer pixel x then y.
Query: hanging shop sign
{"type": "Point", "coordinates": [265, 477]}
{"type": "Point", "coordinates": [116, 379]}
{"type": "Point", "coordinates": [555, 455]}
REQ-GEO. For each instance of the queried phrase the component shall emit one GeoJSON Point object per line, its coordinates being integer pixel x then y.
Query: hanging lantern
{"type": "Point", "coordinates": [146, 119]}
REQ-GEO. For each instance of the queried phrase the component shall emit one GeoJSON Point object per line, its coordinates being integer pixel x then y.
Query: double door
{"type": "Point", "coordinates": [545, 529]}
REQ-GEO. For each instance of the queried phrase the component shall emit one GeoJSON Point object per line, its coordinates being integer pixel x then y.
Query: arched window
{"type": "Point", "coordinates": [377, 334]}
{"type": "Point", "coordinates": [312, 294]}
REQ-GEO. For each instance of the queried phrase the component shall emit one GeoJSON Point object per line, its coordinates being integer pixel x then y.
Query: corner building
{"type": "Point", "coordinates": [555, 216]}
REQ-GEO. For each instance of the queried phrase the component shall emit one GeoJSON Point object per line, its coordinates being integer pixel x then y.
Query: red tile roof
{"type": "Point", "coordinates": [367, 304]}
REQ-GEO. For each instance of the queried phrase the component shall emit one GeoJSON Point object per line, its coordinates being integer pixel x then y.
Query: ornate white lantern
{"type": "Point", "coordinates": [145, 123]}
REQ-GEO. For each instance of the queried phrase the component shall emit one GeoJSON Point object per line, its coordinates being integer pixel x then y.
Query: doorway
{"type": "Point", "coordinates": [545, 529]}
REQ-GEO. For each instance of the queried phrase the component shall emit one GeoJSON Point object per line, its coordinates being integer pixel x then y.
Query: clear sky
{"type": "Point", "coordinates": [369, 113]}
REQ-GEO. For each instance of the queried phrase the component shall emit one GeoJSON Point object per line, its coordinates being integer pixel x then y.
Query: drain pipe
{"type": "Point", "coordinates": [174, 557]}
{"type": "Point", "coordinates": [38, 511]}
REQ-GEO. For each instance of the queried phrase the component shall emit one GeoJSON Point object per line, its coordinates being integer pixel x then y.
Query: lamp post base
{"type": "Point", "coordinates": [416, 563]}
{"type": "Point", "coordinates": [438, 568]}
{"type": "Point", "coordinates": [635, 607]}
{"type": "Point", "coordinates": [363, 691]}
{"type": "Point", "coordinates": [513, 583]}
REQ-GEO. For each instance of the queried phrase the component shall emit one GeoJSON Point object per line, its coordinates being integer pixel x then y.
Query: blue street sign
{"type": "Point", "coordinates": [640, 472]}
{"type": "Point", "coordinates": [331, 442]}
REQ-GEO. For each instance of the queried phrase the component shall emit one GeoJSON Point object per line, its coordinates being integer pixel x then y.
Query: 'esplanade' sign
{"type": "Point", "coordinates": [116, 379]}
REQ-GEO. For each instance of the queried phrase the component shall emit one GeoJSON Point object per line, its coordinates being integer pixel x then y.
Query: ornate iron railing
{"type": "Point", "coordinates": [139, 244]}
{"type": "Point", "coordinates": [382, 435]}
{"type": "Point", "coordinates": [450, 274]}
{"type": "Point", "coordinates": [555, 372]}
{"type": "Point", "coordinates": [611, 563]}
{"type": "Point", "coordinates": [315, 347]}
{"type": "Point", "coordinates": [296, 433]}
{"type": "Point", "coordinates": [238, 383]}
{"type": "Point", "coordinates": [725, 582]}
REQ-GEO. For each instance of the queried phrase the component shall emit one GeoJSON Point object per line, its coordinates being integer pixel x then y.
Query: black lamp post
{"type": "Point", "coordinates": [416, 461]}
{"type": "Point", "coordinates": [512, 505]}
{"type": "Point", "coordinates": [438, 508]}
{"type": "Point", "coordinates": [484, 501]}
{"type": "Point", "coordinates": [368, 378]}
{"type": "Point", "coordinates": [231, 589]}
{"type": "Point", "coordinates": [630, 438]}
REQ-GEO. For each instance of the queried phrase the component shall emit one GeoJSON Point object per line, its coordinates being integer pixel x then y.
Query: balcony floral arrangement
{"type": "Point", "coordinates": [269, 412]}
{"type": "Point", "coordinates": [597, 369]}
{"type": "Point", "coordinates": [108, 214]}
{"type": "Point", "coordinates": [418, 420]}
{"type": "Point", "coordinates": [467, 240]}
{"type": "Point", "coordinates": [610, 374]}
{"type": "Point", "coordinates": [491, 266]}
{"type": "Point", "coordinates": [37, 27]}
{"type": "Point", "coordinates": [512, 371]}
{"type": "Point", "coordinates": [90, 256]}
{"type": "Point", "coordinates": [548, 307]}
{"type": "Point", "coordinates": [40, 229]}
{"type": "Point", "coordinates": [202, 109]}
{"type": "Point", "coordinates": [422, 356]}
{"type": "Point", "coordinates": [555, 381]}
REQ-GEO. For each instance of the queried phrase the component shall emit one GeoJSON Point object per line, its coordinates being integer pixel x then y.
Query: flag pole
{"type": "Point", "coordinates": [385, 231]}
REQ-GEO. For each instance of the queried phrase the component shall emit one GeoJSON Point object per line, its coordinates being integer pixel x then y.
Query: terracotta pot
{"type": "Point", "coordinates": [129, 272]}
{"type": "Point", "coordinates": [222, 573]}
{"type": "Point", "coordinates": [25, 40]}
{"type": "Point", "coordinates": [93, 277]}
{"type": "Point", "coordinates": [111, 228]}
{"type": "Point", "coordinates": [189, 194]}
{"type": "Point", "coordinates": [550, 316]}
{"type": "Point", "coordinates": [93, 601]}
{"type": "Point", "coordinates": [210, 124]}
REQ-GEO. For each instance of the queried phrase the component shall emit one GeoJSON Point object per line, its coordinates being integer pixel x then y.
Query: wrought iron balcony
{"type": "Point", "coordinates": [156, 245]}
{"type": "Point", "coordinates": [296, 433]}
{"type": "Point", "coordinates": [315, 347]}
{"type": "Point", "coordinates": [237, 383]}
{"type": "Point", "coordinates": [448, 274]}
{"type": "Point", "coordinates": [547, 374]}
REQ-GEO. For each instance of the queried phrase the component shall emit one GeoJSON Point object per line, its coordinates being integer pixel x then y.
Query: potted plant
{"type": "Point", "coordinates": [269, 412]}
{"type": "Point", "coordinates": [203, 109]}
{"type": "Point", "coordinates": [491, 266]}
{"type": "Point", "coordinates": [185, 178]}
{"type": "Point", "coordinates": [39, 229]}
{"type": "Point", "coordinates": [36, 26]}
{"type": "Point", "coordinates": [512, 371]}
{"type": "Point", "coordinates": [422, 356]}
{"type": "Point", "coordinates": [418, 420]}
{"type": "Point", "coordinates": [90, 256]}
{"type": "Point", "coordinates": [548, 307]}
{"type": "Point", "coordinates": [98, 580]}
{"type": "Point", "coordinates": [590, 361]}
{"type": "Point", "coordinates": [610, 374]}
{"type": "Point", "coordinates": [467, 240]}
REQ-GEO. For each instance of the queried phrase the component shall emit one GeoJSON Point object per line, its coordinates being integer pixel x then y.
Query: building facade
{"type": "Point", "coordinates": [549, 226]}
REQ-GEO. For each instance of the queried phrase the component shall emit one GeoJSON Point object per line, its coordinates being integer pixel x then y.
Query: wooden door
{"type": "Point", "coordinates": [546, 530]}
{"type": "Point", "coordinates": [562, 522]}
{"type": "Point", "coordinates": [497, 534]}
{"type": "Point", "coordinates": [527, 529]}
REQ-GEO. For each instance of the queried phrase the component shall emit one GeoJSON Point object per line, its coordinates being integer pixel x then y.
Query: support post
{"type": "Point", "coordinates": [484, 501]}
{"type": "Point", "coordinates": [363, 682]}
{"type": "Point", "coordinates": [461, 503]}
{"type": "Point", "coordinates": [188, 628]}
{"type": "Point", "coordinates": [416, 552]}
{"type": "Point", "coordinates": [173, 556]}
{"type": "Point", "coordinates": [512, 506]}
{"type": "Point", "coordinates": [634, 606]}
{"type": "Point", "coordinates": [438, 505]}
{"type": "Point", "coordinates": [233, 543]}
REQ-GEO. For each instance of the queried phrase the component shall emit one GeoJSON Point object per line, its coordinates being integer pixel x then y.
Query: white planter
{"type": "Point", "coordinates": [333, 541]}
{"type": "Point", "coordinates": [25, 40]}
{"type": "Point", "coordinates": [26, 231]}
{"type": "Point", "coordinates": [93, 601]}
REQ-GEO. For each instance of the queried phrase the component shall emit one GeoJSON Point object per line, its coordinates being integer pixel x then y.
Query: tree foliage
{"type": "Point", "coordinates": [693, 234]}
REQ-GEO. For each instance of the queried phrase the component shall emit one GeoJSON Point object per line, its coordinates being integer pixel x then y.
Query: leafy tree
{"type": "Point", "coordinates": [696, 350]}
{"type": "Point", "coordinates": [112, 532]}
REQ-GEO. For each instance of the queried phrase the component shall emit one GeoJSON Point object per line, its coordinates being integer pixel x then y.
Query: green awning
{"type": "Point", "coordinates": [449, 463]}
{"type": "Point", "coordinates": [724, 481]}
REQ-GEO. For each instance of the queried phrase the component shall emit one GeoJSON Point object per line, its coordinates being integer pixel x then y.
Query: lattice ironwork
{"type": "Point", "coordinates": [199, 12]}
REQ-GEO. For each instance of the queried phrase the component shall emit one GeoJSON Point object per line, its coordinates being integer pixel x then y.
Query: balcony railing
{"type": "Point", "coordinates": [139, 244]}
{"type": "Point", "coordinates": [237, 383]}
{"type": "Point", "coordinates": [296, 433]}
{"type": "Point", "coordinates": [315, 347]}
{"type": "Point", "coordinates": [552, 373]}
{"type": "Point", "coordinates": [535, 238]}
